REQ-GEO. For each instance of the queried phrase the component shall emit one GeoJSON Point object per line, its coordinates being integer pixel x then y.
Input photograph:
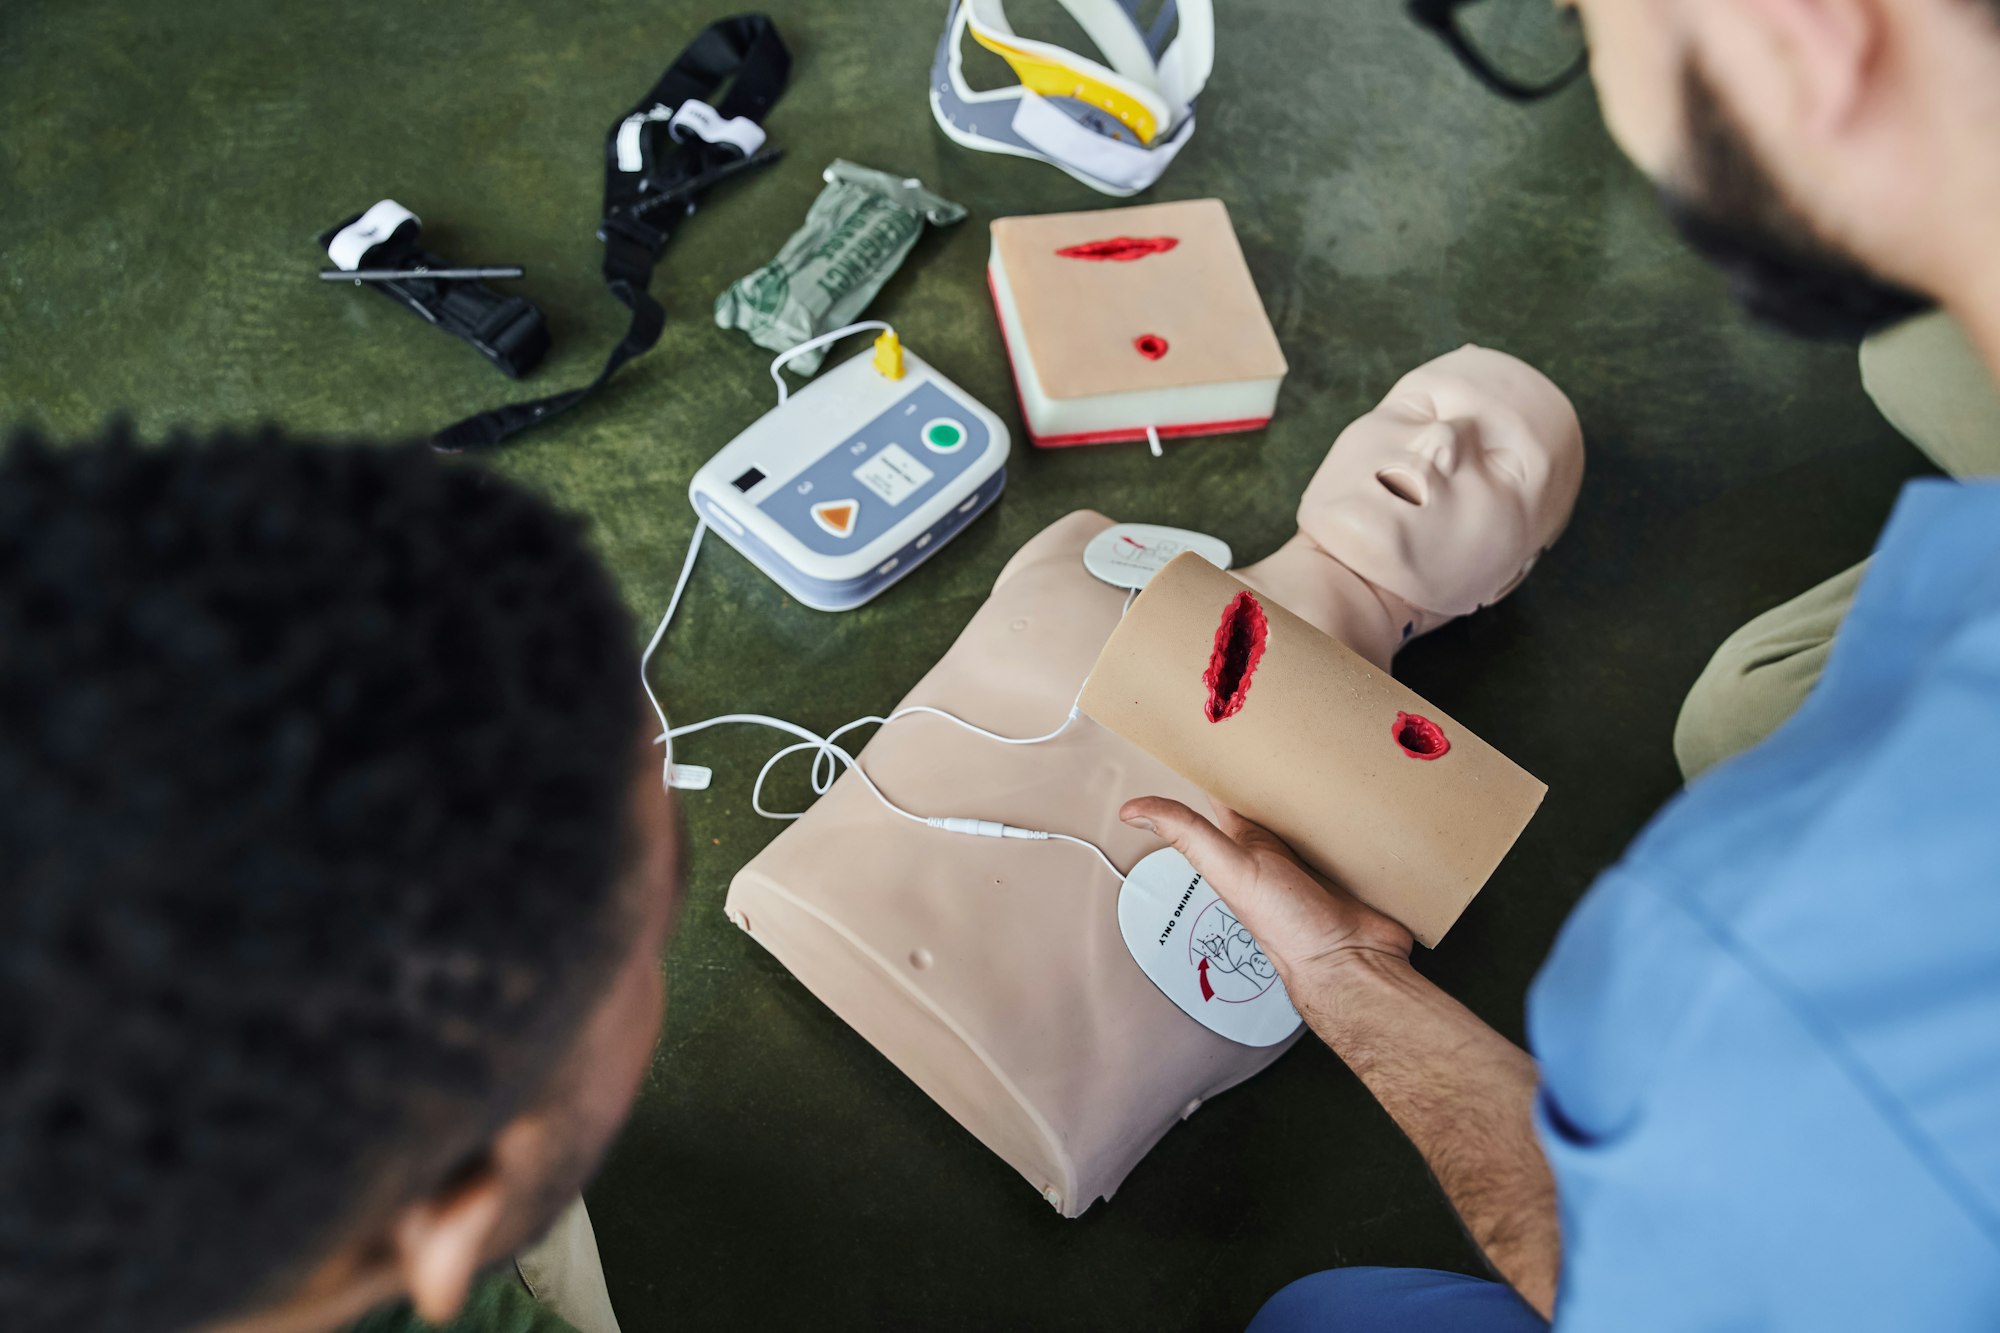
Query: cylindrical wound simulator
{"type": "Point", "coordinates": [1372, 786]}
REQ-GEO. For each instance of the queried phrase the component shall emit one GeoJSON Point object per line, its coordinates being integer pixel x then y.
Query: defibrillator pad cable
{"type": "Point", "coordinates": [660, 159]}
{"type": "Point", "coordinates": [829, 756]}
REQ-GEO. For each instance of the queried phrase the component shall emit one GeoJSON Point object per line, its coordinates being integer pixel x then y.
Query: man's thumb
{"type": "Point", "coordinates": [1217, 856]}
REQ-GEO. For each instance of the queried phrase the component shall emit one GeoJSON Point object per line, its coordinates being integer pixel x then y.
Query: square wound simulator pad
{"type": "Point", "coordinates": [1122, 319]}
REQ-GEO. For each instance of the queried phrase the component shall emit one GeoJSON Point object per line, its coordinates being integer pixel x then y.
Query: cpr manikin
{"type": "Point", "coordinates": [993, 972]}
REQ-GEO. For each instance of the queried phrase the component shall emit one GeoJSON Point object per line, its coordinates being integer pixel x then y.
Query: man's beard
{"type": "Point", "coordinates": [1733, 213]}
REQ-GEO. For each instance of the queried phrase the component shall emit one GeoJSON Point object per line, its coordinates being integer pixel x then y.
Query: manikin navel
{"type": "Point", "coordinates": [993, 973]}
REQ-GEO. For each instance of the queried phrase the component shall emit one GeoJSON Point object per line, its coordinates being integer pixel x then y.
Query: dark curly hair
{"type": "Point", "coordinates": [314, 775]}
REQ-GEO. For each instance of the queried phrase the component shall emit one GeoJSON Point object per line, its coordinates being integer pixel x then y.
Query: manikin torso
{"type": "Point", "coordinates": [993, 972]}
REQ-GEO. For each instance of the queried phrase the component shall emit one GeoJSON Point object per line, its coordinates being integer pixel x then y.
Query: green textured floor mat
{"type": "Point", "coordinates": [164, 170]}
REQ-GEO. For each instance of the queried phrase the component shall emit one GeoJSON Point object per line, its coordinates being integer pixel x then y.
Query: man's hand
{"type": "Point", "coordinates": [1460, 1090]}
{"type": "Point", "coordinates": [1302, 922]}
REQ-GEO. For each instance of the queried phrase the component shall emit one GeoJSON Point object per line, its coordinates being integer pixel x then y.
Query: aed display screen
{"type": "Point", "coordinates": [748, 480]}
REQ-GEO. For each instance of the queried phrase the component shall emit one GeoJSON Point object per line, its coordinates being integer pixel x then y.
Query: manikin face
{"type": "Point", "coordinates": [1446, 492]}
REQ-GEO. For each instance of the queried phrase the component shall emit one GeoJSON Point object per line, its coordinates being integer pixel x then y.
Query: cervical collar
{"type": "Point", "coordinates": [1116, 127]}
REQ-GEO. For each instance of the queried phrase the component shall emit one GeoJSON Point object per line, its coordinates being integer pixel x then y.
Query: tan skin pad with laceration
{"type": "Point", "coordinates": [1318, 745]}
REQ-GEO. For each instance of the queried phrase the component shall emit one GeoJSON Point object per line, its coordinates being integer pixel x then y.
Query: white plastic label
{"type": "Point", "coordinates": [1127, 555]}
{"type": "Point", "coordinates": [372, 228]}
{"type": "Point", "coordinates": [1194, 949]}
{"type": "Point", "coordinates": [631, 156]}
{"type": "Point", "coordinates": [705, 122]}
{"type": "Point", "coordinates": [894, 474]}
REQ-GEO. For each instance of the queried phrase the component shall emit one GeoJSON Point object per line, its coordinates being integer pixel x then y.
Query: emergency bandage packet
{"type": "Point", "coordinates": [855, 237]}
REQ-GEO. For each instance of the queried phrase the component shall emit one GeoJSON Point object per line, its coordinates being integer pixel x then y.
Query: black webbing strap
{"type": "Point", "coordinates": [639, 206]}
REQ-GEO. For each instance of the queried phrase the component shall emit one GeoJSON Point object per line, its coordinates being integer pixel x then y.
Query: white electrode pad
{"type": "Point", "coordinates": [1192, 947]}
{"type": "Point", "coordinates": [1129, 554]}
{"type": "Point", "coordinates": [856, 480]}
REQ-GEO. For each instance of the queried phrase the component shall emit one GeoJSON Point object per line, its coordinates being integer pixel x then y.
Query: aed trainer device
{"type": "Point", "coordinates": [856, 479]}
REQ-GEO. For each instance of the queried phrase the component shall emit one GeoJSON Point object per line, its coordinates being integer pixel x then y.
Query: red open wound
{"type": "Point", "coordinates": [1420, 737]}
{"type": "Point", "coordinates": [1120, 249]}
{"type": "Point", "coordinates": [1239, 647]}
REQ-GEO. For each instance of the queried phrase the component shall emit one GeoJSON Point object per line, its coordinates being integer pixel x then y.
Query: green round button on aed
{"type": "Point", "coordinates": [943, 436]}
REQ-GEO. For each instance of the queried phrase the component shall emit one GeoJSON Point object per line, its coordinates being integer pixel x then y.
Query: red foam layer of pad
{"type": "Point", "coordinates": [1139, 433]}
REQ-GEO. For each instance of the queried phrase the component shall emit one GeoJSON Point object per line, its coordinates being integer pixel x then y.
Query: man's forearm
{"type": "Point", "coordinates": [1461, 1091]}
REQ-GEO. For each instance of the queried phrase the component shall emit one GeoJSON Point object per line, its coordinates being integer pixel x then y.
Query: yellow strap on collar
{"type": "Point", "coordinates": [1051, 78]}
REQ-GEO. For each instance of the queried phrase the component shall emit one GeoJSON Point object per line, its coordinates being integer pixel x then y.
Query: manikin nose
{"type": "Point", "coordinates": [1438, 445]}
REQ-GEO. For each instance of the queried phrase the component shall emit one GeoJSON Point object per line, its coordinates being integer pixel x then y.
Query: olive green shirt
{"type": "Point", "coordinates": [500, 1304]}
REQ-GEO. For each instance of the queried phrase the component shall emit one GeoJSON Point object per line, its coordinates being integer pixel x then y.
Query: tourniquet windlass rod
{"type": "Point", "coordinates": [430, 274]}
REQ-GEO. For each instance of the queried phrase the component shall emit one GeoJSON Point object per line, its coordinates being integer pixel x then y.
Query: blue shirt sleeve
{"type": "Point", "coordinates": [1770, 1038]}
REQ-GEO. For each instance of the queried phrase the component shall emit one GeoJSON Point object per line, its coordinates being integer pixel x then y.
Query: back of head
{"type": "Point", "coordinates": [313, 763]}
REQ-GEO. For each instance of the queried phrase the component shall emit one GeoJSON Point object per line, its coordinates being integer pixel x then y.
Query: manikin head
{"type": "Point", "coordinates": [338, 872]}
{"type": "Point", "coordinates": [1450, 488]}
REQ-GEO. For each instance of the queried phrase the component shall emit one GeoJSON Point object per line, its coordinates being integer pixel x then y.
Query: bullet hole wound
{"type": "Point", "coordinates": [1420, 737]}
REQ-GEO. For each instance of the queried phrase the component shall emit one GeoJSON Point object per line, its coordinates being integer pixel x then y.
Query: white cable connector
{"type": "Point", "coordinates": [993, 828]}
{"type": "Point", "coordinates": [987, 828]}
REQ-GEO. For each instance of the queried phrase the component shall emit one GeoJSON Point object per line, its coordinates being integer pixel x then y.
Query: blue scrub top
{"type": "Point", "coordinates": [1770, 1037]}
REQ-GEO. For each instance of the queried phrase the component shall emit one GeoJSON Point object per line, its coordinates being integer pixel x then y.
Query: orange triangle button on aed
{"type": "Point", "coordinates": [837, 516]}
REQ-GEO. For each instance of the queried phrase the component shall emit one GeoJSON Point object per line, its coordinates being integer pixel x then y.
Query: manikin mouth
{"type": "Point", "coordinates": [1405, 486]}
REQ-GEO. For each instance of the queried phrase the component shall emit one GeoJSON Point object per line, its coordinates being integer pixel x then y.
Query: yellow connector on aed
{"type": "Point", "coordinates": [889, 356]}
